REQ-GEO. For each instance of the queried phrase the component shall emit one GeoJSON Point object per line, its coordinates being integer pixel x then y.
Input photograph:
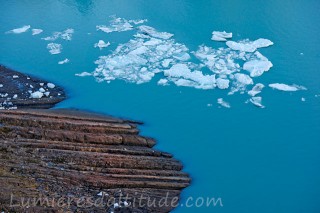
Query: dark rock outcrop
{"type": "Point", "coordinates": [88, 162]}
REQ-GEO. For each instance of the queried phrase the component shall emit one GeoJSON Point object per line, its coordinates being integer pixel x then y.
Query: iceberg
{"type": "Point", "coordinates": [287, 88]}
{"type": "Point", "coordinates": [36, 31]}
{"type": "Point", "coordinates": [223, 103]}
{"type": "Point", "coordinates": [256, 89]}
{"type": "Point", "coordinates": [257, 67]}
{"type": "Point", "coordinates": [20, 30]}
{"type": "Point", "coordinates": [101, 44]}
{"type": "Point", "coordinates": [54, 48]}
{"type": "Point", "coordinates": [257, 101]}
{"type": "Point", "coordinates": [220, 36]}
{"type": "Point", "coordinates": [249, 46]}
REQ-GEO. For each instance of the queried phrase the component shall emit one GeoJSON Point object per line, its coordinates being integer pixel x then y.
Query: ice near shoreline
{"type": "Point", "coordinates": [65, 35]}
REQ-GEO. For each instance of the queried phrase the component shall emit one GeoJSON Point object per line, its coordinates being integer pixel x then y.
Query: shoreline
{"type": "Point", "coordinates": [63, 153]}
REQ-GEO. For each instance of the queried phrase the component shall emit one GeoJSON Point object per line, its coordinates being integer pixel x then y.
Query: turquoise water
{"type": "Point", "coordinates": [255, 160]}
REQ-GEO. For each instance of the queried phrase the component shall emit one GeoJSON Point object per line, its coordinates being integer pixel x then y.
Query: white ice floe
{"type": "Point", "coordinates": [303, 99]}
{"type": "Point", "coordinates": [256, 89]}
{"type": "Point", "coordinates": [223, 103]}
{"type": "Point", "coordinates": [163, 82]}
{"type": "Point", "coordinates": [51, 85]}
{"type": "Point", "coordinates": [83, 74]}
{"type": "Point", "coordinates": [36, 31]}
{"type": "Point", "coordinates": [257, 67]}
{"type": "Point", "coordinates": [287, 88]}
{"type": "Point", "coordinates": [257, 101]}
{"type": "Point", "coordinates": [220, 36]}
{"type": "Point", "coordinates": [101, 44]}
{"type": "Point", "coordinates": [47, 94]}
{"type": "Point", "coordinates": [36, 94]}
{"type": "Point", "coordinates": [150, 31]}
{"type": "Point", "coordinates": [182, 75]}
{"type": "Point", "coordinates": [15, 76]}
{"type": "Point", "coordinates": [54, 48]}
{"type": "Point", "coordinates": [249, 46]}
{"type": "Point", "coordinates": [222, 83]}
{"type": "Point", "coordinates": [65, 35]}
{"type": "Point", "coordinates": [119, 25]}
{"type": "Point", "coordinates": [20, 30]}
{"type": "Point", "coordinates": [15, 96]}
{"type": "Point", "coordinates": [64, 61]}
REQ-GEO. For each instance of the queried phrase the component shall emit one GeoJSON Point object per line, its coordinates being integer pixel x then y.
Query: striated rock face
{"type": "Point", "coordinates": [87, 162]}
{"type": "Point", "coordinates": [18, 90]}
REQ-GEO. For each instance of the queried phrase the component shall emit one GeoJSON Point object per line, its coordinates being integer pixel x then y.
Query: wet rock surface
{"type": "Point", "coordinates": [18, 90]}
{"type": "Point", "coordinates": [80, 159]}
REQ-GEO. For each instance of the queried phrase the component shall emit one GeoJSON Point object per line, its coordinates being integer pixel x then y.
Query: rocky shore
{"type": "Point", "coordinates": [72, 161]}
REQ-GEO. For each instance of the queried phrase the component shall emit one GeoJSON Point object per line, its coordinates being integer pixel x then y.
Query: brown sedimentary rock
{"type": "Point", "coordinates": [71, 155]}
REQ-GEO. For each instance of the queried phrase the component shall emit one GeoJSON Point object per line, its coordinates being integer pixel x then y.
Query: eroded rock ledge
{"type": "Point", "coordinates": [65, 154]}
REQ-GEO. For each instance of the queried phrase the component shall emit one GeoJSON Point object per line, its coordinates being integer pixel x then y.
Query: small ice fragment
{"type": "Point", "coordinates": [64, 61]}
{"type": "Point", "coordinates": [249, 46]}
{"type": "Point", "coordinates": [51, 85]}
{"type": "Point", "coordinates": [36, 31]}
{"type": "Point", "coordinates": [31, 86]}
{"type": "Point", "coordinates": [257, 67]}
{"type": "Point", "coordinates": [101, 44]}
{"type": "Point", "coordinates": [15, 76]}
{"type": "Point", "coordinates": [257, 101]}
{"type": "Point", "coordinates": [41, 90]}
{"type": "Point", "coordinates": [303, 99]}
{"type": "Point", "coordinates": [166, 62]}
{"type": "Point", "coordinates": [243, 79]}
{"type": "Point", "coordinates": [287, 88]}
{"type": "Point", "coordinates": [1, 85]}
{"type": "Point", "coordinates": [54, 48]}
{"type": "Point", "coordinates": [163, 82]}
{"type": "Point", "coordinates": [15, 96]}
{"type": "Point", "coordinates": [209, 105]}
{"type": "Point", "coordinates": [223, 103]}
{"type": "Point", "coordinates": [100, 194]}
{"type": "Point", "coordinates": [41, 84]}
{"type": "Point", "coordinates": [116, 205]}
{"type": "Point", "coordinates": [221, 36]}
{"type": "Point", "coordinates": [83, 74]}
{"type": "Point", "coordinates": [47, 94]}
{"type": "Point", "coordinates": [20, 30]}
{"type": "Point", "coordinates": [153, 33]}
{"type": "Point", "coordinates": [36, 94]}
{"type": "Point", "coordinates": [256, 89]}
{"type": "Point", "coordinates": [222, 83]}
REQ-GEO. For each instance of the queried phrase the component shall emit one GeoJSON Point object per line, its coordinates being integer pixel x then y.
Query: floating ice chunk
{"type": "Point", "coordinates": [117, 25]}
{"type": "Point", "coordinates": [150, 31]}
{"type": "Point", "coordinates": [47, 94]}
{"type": "Point", "coordinates": [166, 62]}
{"type": "Point", "coordinates": [41, 90]}
{"type": "Point", "coordinates": [181, 75]}
{"type": "Point", "coordinates": [51, 85]}
{"type": "Point", "coordinates": [139, 21]}
{"type": "Point", "coordinates": [287, 88]}
{"type": "Point", "coordinates": [243, 79]}
{"type": "Point", "coordinates": [15, 96]}
{"type": "Point", "coordinates": [36, 31]}
{"type": "Point", "coordinates": [257, 67]}
{"type": "Point", "coordinates": [163, 82]}
{"type": "Point", "coordinates": [83, 74]}
{"type": "Point", "coordinates": [220, 36]}
{"type": "Point", "coordinates": [36, 94]}
{"type": "Point", "coordinates": [257, 101]}
{"type": "Point", "coordinates": [20, 30]}
{"type": "Point", "coordinates": [222, 83]}
{"type": "Point", "coordinates": [223, 103]}
{"type": "Point", "coordinates": [249, 46]}
{"type": "Point", "coordinates": [66, 35]}
{"type": "Point", "coordinates": [54, 48]}
{"type": "Point", "coordinates": [1, 85]}
{"type": "Point", "coordinates": [64, 61]}
{"type": "Point", "coordinates": [256, 89]}
{"type": "Point", "coordinates": [303, 99]}
{"type": "Point", "coordinates": [101, 44]}
{"type": "Point", "coordinates": [15, 76]}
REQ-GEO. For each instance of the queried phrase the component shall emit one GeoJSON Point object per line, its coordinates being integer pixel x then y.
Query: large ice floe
{"type": "Point", "coordinates": [20, 30]}
{"type": "Point", "coordinates": [287, 88]}
{"type": "Point", "coordinates": [221, 36]}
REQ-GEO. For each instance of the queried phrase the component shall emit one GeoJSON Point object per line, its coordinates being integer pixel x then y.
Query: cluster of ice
{"type": "Point", "coordinates": [64, 61]}
{"type": "Point", "coordinates": [256, 89]}
{"type": "Point", "coordinates": [65, 35]}
{"type": "Point", "coordinates": [249, 46]}
{"type": "Point", "coordinates": [223, 103]}
{"type": "Point", "coordinates": [20, 30]}
{"type": "Point", "coordinates": [287, 88]}
{"type": "Point", "coordinates": [119, 25]}
{"type": "Point", "coordinates": [36, 31]}
{"type": "Point", "coordinates": [221, 36]}
{"type": "Point", "coordinates": [101, 44]}
{"type": "Point", "coordinates": [54, 48]}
